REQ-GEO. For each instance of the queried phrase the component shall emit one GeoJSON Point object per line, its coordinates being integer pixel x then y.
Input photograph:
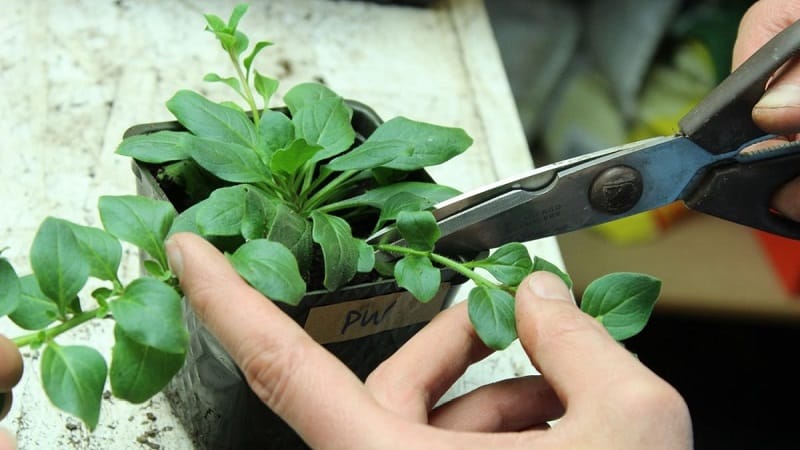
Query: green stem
{"type": "Point", "coordinates": [329, 188]}
{"type": "Point", "coordinates": [442, 260]}
{"type": "Point", "coordinates": [50, 333]}
{"type": "Point", "coordinates": [248, 93]}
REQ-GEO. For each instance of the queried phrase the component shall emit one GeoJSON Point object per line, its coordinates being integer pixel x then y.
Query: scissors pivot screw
{"type": "Point", "coordinates": [616, 189]}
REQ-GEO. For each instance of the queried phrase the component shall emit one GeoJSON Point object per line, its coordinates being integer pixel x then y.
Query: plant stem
{"type": "Point", "coordinates": [442, 260]}
{"type": "Point", "coordinates": [248, 93]}
{"type": "Point", "coordinates": [50, 333]}
{"type": "Point", "coordinates": [323, 193]}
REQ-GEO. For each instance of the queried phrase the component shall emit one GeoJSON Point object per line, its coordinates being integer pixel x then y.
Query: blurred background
{"type": "Point", "coordinates": [591, 74]}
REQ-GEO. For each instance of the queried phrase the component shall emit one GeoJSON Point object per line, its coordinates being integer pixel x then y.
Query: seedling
{"type": "Point", "coordinates": [278, 190]}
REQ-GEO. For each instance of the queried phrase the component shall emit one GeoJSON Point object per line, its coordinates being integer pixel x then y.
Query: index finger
{"type": "Point", "coordinates": [298, 379]}
{"type": "Point", "coordinates": [10, 364]}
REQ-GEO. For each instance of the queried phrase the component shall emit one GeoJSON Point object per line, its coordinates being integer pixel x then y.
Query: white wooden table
{"type": "Point", "coordinates": [75, 74]}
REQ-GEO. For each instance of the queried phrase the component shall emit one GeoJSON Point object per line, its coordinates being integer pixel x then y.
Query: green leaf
{"type": "Point", "coordinates": [407, 145]}
{"type": "Point", "coordinates": [417, 275]}
{"type": "Point", "coordinates": [58, 262]}
{"type": "Point", "coordinates": [339, 249]}
{"type": "Point", "coordinates": [101, 249]}
{"type": "Point", "coordinates": [403, 201]}
{"type": "Point", "coordinates": [10, 288]}
{"type": "Point", "coordinates": [73, 378]}
{"type": "Point", "coordinates": [304, 93]}
{"type": "Point", "coordinates": [275, 130]}
{"type": "Point", "coordinates": [142, 221]}
{"type": "Point", "coordinates": [156, 148]}
{"type": "Point", "coordinates": [543, 264]}
{"type": "Point", "coordinates": [265, 86]}
{"type": "Point", "coordinates": [325, 122]}
{"type": "Point", "coordinates": [138, 372]}
{"type": "Point", "coordinates": [215, 23]}
{"type": "Point", "coordinates": [419, 229]}
{"type": "Point", "coordinates": [149, 312]}
{"type": "Point", "coordinates": [223, 213]}
{"type": "Point", "coordinates": [233, 82]}
{"type": "Point", "coordinates": [236, 16]}
{"type": "Point", "coordinates": [186, 221]}
{"type": "Point", "coordinates": [366, 256]}
{"type": "Point", "coordinates": [491, 311]}
{"type": "Point", "coordinates": [248, 61]}
{"type": "Point", "coordinates": [210, 120]}
{"type": "Point", "coordinates": [509, 264]}
{"type": "Point", "coordinates": [285, 226]}
{"type": "Point", "coordinates": [271, 269]}
{"type": "Point", "coordinates": [378, 197]}
{"type": "Point", "coordinates": [622, 302]}
{"type": "Point", "coordinates": [289, 160]}
{"type": "Point", "coordinates": [229, 161]}
{"type": "Point", "coordinates": [35, 310]}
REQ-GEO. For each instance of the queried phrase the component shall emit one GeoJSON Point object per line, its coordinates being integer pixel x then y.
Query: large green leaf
{"type": "Point", "coordinates": [285, 226]}
{"type": "Point", "coordinates": [139, 220]}
{"type": "Point", "coordinates": [325, 122]}
{"type": "Point", "coordinates": [417, 275]}
{"type": "Point", "coordinates": [156, 148]}
{"type": "Point", "coordinates": [58, 262]}
{"type": "Point", "coordinates": [149, 312]}
{"type": "Point", "coordinates": [339, 249]}
{"type": "Point", "coordinates": [10, 288]}
{"type": "Point", "coordinates": [622, 302]}
{"type": "Point", "coordinates": [379, 196]}
{"type": "Point", "coordinates": [223, 213]}
{"type": "Point", "coordinates": [509, 264]}
{"type": "Point", "coordinates": [138, 371]}
{"type": "Point", "coordinates": [229, 161]}
{"type": "Point", "coordinates": [406, 145]}
{"type": "Point", "coordinates": [543, 264]}
{"type": "Point", "coordinates": [304, 93]}
{"type": "Point", "coordinates": [419, 229]}
{"type": "Point", "coordinates": [212, 121]}
{"type": "Point", "coordinates": [101, 249]}
{"type": "Point", "coordinates": [491, 311]}
{"type": "Point", "coordinates": [35, 310]}
{"type": "Point", "coordinates": [271, 269]}
{"type": "Point", "coordinates": [73, 378]}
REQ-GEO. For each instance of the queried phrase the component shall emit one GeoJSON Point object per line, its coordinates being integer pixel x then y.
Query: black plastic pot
{"type": "Point", "coordinates": [362, 325]}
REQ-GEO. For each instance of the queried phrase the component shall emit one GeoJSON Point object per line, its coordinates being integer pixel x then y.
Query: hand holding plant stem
{"type": "Point", "coordinates": [277, 190]}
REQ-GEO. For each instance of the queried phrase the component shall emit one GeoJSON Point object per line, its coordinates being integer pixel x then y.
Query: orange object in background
{"type": "Point", "coordinates": [784, 254]}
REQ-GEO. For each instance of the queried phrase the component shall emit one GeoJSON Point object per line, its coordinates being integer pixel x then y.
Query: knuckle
{"type": "Point", "coordinates": [269, 373]}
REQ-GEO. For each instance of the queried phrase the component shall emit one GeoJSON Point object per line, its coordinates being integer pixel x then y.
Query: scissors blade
{"type": "Point", "coordinates": [557, 199]}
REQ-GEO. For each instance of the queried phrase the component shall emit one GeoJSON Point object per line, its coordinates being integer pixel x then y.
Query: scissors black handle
{"type": "Point", "coordinates": [723, 121]}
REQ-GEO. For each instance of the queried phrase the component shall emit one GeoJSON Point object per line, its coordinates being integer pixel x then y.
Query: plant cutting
{"type": "Point", "coordinates": [292, 195]}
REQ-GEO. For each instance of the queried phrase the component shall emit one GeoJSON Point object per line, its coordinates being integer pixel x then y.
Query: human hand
{"type": "Point", "coordinates": [778, 111]}
{"type": "Point", "coordinates": [604, 397]}
{"type": "Point", "coordinates": [10, 374]}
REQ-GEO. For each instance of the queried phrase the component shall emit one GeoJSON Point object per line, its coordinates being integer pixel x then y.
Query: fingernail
{"type": "Point", "coordinates": [549, 286]}
{"type": "Point", "coordinates": [174, 257]}
{"type": "Point", "coordinates": [780, 96]}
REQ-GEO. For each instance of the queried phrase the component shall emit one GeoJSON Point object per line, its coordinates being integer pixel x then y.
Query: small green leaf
{"type": "Point", "coordinates": [412, 145]}
{"type": "Point", "coordinates": [325, 122]}
{"type": "Point", "coordinates": [149, 312]}
{"type": "Point", "coordinates": [403, 201]}
{"type": "Point", "coordinates": [186, 221]}
{"type": "Point", "coordinates": [138, 372]}
{"type": "Point", "coordinates": [155, 269]}
{"type": "Point", "coordinates": [419, 229]}
{"type": "Point", "coordinates": [156, 148]}
{"type": "Point", "coordinates": [543, 264]}
{"type": "Point", "coordinates": [233, 82]}
{"type": "Point", "coordinates": [58, 262]}
{"type": "Point", "coordinates": [622, 302]}
{"type": "Point", "coordinates": [139, 220]}
{"type": "Point", "coordinates": [101, 249]}
{"type": "Point", "coordinates": [304, 93]}
{"type": "Point", "coordinates": [289, 160]}
{"type": "Point", "coordinates": [265, 86]}
{"type": "Point", "coordinates": [73, 378]}
{"type": "Point", "coordinates": [285, 226]}
{"type": "Point", "coordinates": [210, 120]}
{"type": "Point", "coordinates": [378, 197]}
{"type": "Point", "coordinates": [223, 213]}
{"type": "Point", "coordinates": [271, 269]}
{"type": "Point", "coordinates": [215, 23]}
{"type": "Point", "coordinates": [509, 264]}
{"type": "Point", "coordinates": [275, 131]}
{"type": "Point", "coordinates": [248, 61]}
{"type": "Point", "coordinates": [366, 256]}
{"type": "Point", "coordinates": [417, 275]}
{"type": "Point", "coordinates": [236, 16]}
{"type": "Point", "coordinates": [339, 249]}
{"type": "Point", "coordinates": [35, 310]}
{"type": "Point", "coordinates": [229, 161]}
{"type": "Point", "coordinates": [491, 311]}
{"type": "Point", "coordinates": [10, 288]}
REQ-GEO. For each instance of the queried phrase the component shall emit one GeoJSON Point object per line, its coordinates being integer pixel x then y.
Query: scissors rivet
{"type": "Point", "coordinates": [616, 189]}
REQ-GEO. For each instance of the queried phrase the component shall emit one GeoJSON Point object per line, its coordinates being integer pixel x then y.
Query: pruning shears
{"type": "Point", "coordinates": [703, 165]}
